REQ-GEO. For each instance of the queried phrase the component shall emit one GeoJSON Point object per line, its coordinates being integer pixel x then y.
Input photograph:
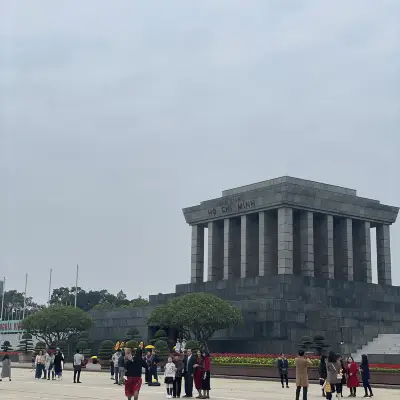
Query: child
{"type": "Point", "coordinates": [169, 374]}
{"type": "Point", "coordinates": [328, 389]}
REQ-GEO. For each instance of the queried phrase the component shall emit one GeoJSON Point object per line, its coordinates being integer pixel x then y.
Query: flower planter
{"type": "Point", "coordinates": [381, 378]}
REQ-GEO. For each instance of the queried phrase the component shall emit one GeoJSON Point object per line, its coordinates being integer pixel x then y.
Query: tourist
{"type": "Point", "coordinates": [322, 373]}
{"type": "Point", "coordinates": [154, 366]}
{"type": "Point", "coordinates": [58, 364]}
{"type": "Point", "coordinates": [121, 368]}
{"type": "Point", "coordinates": [327, 390]}
{"type": "Point", "coordinates": [6, 368]}
{"type": "Point", "coordinates": [38, 365]}
{"type": "Point", "coordinates": [183, 345]}
{"type": "Point", "coordinates": [352, 379]}
{"type": "Point", "coordinates": [365, 375]}
{"type": "Point", "coordinates": [169, 377]}
{"type": "Point", "coordinates": [339, 386]}
{"type": "Point", "coordinates": [302, 364]}
{"type": "Point", "coordinates": [147, 376]}
{"type": "Point", "coordinates": [133, 373]}
{"type": "Point", "coordinates": [283, 366]}
{"type": "Point", "coordinates": [44, 360]}
{"type": "Point", "coordinates": [189, 362]}
{"type": "Point", "coordinates": [333, 367]}
{"type": "Point", "coordinates": [77, 364]}
{"type": "Point", "coordinates": [198, 373]}
{"type": "Point", "coordinates": [205, 385]}
{"type": "Point", "coordinates": [112, 371]}
{"type": "Point", "coordinates": [115, 359]}
{"type": "Point", "coordinates": [177, 388]}
{"type": "Point", "coordinates": [50, 367]}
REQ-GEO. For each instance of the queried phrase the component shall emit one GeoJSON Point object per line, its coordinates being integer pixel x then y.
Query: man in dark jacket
{"type": "Point", "coordinates": [283, 366]}
{"type": "Point", "coordinates": [189, 361]}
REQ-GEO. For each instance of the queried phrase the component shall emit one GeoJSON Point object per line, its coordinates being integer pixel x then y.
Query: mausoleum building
{"type": "Point", "coordinates": [290, 226]}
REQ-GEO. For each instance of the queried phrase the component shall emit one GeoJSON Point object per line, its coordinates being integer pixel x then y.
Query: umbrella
{"type": "Point", "coordinates": [93, 357]}
{"type": "Point", "coordinates": [149, 347]}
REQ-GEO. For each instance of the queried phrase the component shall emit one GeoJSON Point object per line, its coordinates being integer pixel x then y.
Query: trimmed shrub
{"type": "Point", "coordinates": [192, 345]}
{"type": "Point", "coordinates": [26, 343]}
{"type": "Point", "coordinates": [160, 335]}
{"type": "Point", "coordinates": [132, 344]}
{"type": "Point", "coordinates": [40, 346]}
{"type": "Point", "coordinates": [83, 347]}
{"type": "Point", "coordinates": [6, 346]}
{"type": "Point", "coordinates": [106, 350]}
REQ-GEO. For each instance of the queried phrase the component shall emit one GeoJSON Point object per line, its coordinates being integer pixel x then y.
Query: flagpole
{"type": "Point", "coordinates": [26, 284]}
{"type": "Point", "coordinates": [48, 303]}
{"type": "Point", "coordinates": [2, 299]}
{"type": "Point", "coordinates": [76, 283]}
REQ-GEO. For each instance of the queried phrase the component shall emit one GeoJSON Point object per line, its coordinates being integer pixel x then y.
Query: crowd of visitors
{"type": "Point", "coordinates": [334, 372]}
{"type": "Point", "coordinates": [183, 367]}
{"type": "Point", "coordinates": [48, 364]}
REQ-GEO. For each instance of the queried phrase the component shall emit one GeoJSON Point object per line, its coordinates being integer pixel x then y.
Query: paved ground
{"type": "Point", "coordinates": [97, 385]}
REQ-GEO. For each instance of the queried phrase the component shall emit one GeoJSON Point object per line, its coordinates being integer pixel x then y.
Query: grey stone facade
{"type": "Point", "coordinates": [295, 257]}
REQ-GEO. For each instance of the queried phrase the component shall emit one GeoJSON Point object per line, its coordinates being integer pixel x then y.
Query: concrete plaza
{"type": "Point", "coordinates": [98, 385]}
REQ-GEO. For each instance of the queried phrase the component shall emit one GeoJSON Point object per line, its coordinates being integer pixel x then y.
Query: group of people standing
{"type": "Point", "coordinates": [47, 364]}
{"type": "Point", "coordinates": [335, 373]}
{"type": "Point", "coordinates": [194, 369]}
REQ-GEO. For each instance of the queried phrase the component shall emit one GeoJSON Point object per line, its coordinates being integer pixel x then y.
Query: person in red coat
{"type": "Point", "coordinates": [352, 378]}
{"type": "Point", "coordinates": [198, 373]}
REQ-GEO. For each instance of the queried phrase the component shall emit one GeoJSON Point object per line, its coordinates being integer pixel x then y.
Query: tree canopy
{"type": "Point", "coordinates": [57, 323]}
{"type": "Point", "coordinates": [14, 304]}
{"type": "Point", "coordinates": [94, 299]}
{"type": "Point", "coordinates": [197, 315]}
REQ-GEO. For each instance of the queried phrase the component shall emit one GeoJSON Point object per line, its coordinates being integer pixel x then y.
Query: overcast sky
{"type": "Point", "coordinates": [114, 115]}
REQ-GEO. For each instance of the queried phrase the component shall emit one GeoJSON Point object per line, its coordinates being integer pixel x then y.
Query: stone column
{"type": "Point", "coordinates": [306, 243]}
{"type": "Point", "coordinates": [231, 248]}
{"type": "Point", "coordinates": [362, 251]}
{"type": "Point", "coordinates": [215, 251]}
{"type": "Point", "coordinates": [267, 236]}
{"type": "Point", "coordinates": [384, 262]}
{"type": "Point", "coordinates": [285, 240]}
{"type": "Point", "coordinates": [327, 260]}
{"type": "Point", "coordinates": [346, 247]}
{"type": "Point", "coordinates": [244, 245]}
{"type": "Point", "coordinates": [197, 257]}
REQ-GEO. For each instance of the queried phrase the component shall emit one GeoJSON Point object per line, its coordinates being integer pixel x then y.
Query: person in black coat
{"type": "Point", "coordinates": [365, 375]}
{"type": "Point", "coordinates": [323, 373]}
{"type": "Point", "coordinates": [283, 366]}
{"type": "Point", "coordinates": [188, 362]}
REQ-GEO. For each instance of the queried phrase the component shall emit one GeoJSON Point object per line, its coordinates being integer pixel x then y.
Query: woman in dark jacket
{"type": "Point", "coordinates": [133, 373]}
{"type": "Point", "coordinates": [364, 368]}
{"type": "Point", "coordinates": [206, 368]}
{"type": "Point", "coordinates": [323, 373]}
{"type": "Point", "coordinates": [177, 387]}
{"type": "Point", "coordinates": [339, 386]}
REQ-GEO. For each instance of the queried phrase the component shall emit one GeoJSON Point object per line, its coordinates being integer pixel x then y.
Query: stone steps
{"type": "Point", "coordinates": [382, 344]}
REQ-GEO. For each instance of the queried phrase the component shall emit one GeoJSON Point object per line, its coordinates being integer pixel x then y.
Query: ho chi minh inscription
{"type": "Point", "coordinates": [235, 204]}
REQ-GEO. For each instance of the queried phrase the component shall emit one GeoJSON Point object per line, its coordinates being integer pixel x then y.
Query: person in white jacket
{"type": "Point", "coordinates": [169, 376]}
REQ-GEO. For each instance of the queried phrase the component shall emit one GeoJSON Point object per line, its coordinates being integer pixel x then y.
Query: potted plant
{"type": "Point", "coordinates": [105, 353]}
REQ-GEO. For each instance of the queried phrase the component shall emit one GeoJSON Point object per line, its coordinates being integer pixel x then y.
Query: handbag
{"type": "Point", "coordinates": [338, 374]}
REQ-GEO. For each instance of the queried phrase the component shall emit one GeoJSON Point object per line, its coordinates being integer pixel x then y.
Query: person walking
{"type": "Point", "coordinates": [302, 364]}
{"type": "Point", "coordinates": [77, 364]}
{"type": "Point", "coordinates": [323, 373]}
{"type": "Point", "coordinates": [169, 377]}
{"type": "Point", "coordinates": [133, 373]}
{"type": "Point", "coordinates": [334, 377]}
{"type": "Point", "coordinates": [115, 359]}
{"type": "Point", "coordinates": [177, 388]}
{"type": "Point", "coordinates": [352, 379]}
{"type": "Point", "coordinates": [58, 365]}
{"type": "Point", "coordinates": [205, 384]}
{"type": "Point", "coordinates": [6, 368]}
{"type": "Point", "coordinates": [339, 386]}
{"type": "Point", "coordinates": [283, 367]}
{"type": "Point", "coordinates": [365, 375]}
{"type": "Point", "coordinates": [189, 361]}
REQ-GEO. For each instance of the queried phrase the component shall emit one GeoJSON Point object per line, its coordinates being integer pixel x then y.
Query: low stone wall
{"type": "Point", "coordinates": [378, 378]}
